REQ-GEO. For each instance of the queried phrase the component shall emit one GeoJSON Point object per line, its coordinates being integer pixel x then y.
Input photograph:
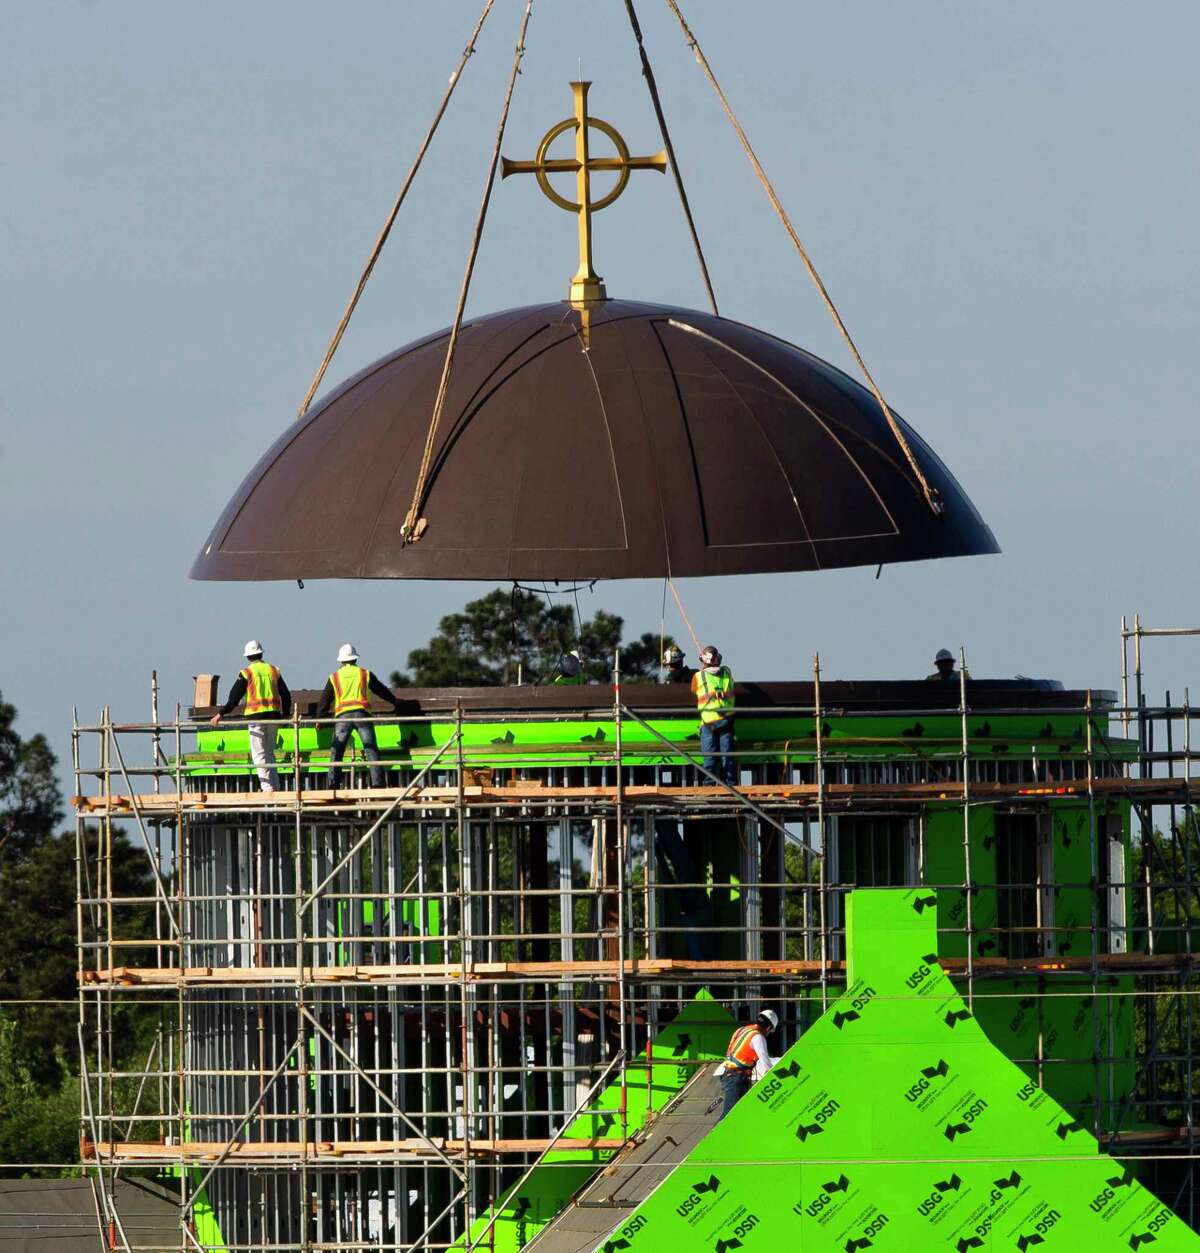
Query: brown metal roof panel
{"type": "Point", "coordinates": [676, 442]}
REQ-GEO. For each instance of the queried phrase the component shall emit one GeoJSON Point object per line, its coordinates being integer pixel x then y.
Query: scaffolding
{"type": "Point", "coordinates": [372, 1012]}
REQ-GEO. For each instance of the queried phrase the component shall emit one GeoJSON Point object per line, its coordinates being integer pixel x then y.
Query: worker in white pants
{"type": "Point", "coordinates": [267, 700]}
{"type": "Point", "coordinates": [262, 755]}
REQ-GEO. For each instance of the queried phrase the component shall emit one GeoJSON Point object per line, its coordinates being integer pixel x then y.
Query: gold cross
{"type": "Point", "coordinates": [586, 285]}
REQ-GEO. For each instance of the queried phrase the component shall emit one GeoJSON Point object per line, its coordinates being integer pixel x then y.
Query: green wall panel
{"type": "Point", "coordinates": [895, 1124]}
{"type": "Point", "coordinates": [225, 750]}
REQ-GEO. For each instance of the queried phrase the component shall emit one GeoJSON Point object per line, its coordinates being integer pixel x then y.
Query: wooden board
{"type": "Point", "coordinates": [638, 970]}
{"type": "Point", "coordinates": [802, 795]}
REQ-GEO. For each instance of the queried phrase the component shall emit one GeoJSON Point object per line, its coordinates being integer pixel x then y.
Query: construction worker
{"type": "Point", "coordinates": [943, 668]}
{"type": "Point", "coordinates": [746, 1058]}
{"type": "Point", "coordinates": [676, 671]}
{"type": "Point", "coordinates": [570, 670]}
{"type": "Point", "coordinates": [267, 700]}
{"type": "Point", "coordinates": [347, 694]}
{"type": "Point", "coordinates": [712, 685]}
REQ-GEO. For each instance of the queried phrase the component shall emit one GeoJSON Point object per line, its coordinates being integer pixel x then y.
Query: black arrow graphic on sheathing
{"type": "Point", "coordinates": [969, 1242]}
{"type": "Point", "coordinates": [804, 1130]}
{"type": "Point", "coordinates": [1064, 1129]}
{"type": "Point", "coordinates": [956, 1129]}
{"type": "Point", "coordinates": [940, 1071]}
{"type": "Point", "coordinates": [922, 903]}
{"type": "Point", "coordinates": [949, 1185]}
{"type": "Point", "coordinates": [1013, 1181]}
{"type": "Point", "coordinates": [1121, 1181]}
{"type": "Point", "coordinates": [840, 1184]}
{"type": "Point", "coordinates": [1139, 1238]}
{"type": "Point", "coordinates": [1023, 1242]}
{"type": "Point", "coordinates": [611, 1246]}
{"type": "Point", "coordinates": [522, 1205]}
{"type": "Point", "coordinates": [682, 1047]}
{"type": "Point", "coordinates": [722, 1245]}
{"type": "Point", "coordinates": [956, 1016]}
{"type": "Point", "coordinates": [930, 959]}
{"type": "Point", "coordinates": [709, 1185]}
{"type": "Point", "coordinates": [840, 1019]}
{"type": "Point", "coordinates": [791, 1071]}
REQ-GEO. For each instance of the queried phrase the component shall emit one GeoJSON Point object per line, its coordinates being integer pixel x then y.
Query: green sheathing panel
{"type": "Point", "coordinates": [700, 1032]}
{"type": "Point", "coordinates": [1070, 1023]}
{"type": "Point", "coordinates": [419, 918]}
{"type": "Point", "coordinates": [894, 1124]}
{"type": "Point", "coordinates": [207, 1229]}
{"type": "Point", "coordinates": [204, 1220]}
{"type": "Point", "coordinates": [1070, 1029]}
{"type": "Point", "coordinates": [225, 750]}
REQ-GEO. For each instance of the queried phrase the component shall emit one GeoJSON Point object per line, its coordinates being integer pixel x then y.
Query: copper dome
{"type": "Point", "coordinates": [678, 443]}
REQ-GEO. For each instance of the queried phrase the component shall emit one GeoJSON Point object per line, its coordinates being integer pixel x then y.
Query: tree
{"type": "Point", "coordinates": [30, 802]}
{"type": "Point", "coordinates": [37, 941]}
{"type": "Point", "coordinates": [509, 633]}
{"type": "Point", "coordinates": [37, 903]}
{"type": "Point", "coordinates": [36, 1124]}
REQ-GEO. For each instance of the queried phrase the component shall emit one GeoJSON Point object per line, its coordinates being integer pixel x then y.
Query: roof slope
{"type": "Point", "coordinates": [39, 1215]}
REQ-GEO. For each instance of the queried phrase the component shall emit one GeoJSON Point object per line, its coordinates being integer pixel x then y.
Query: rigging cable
{"type": "Point", "coordinates": [348, 313]}
{"type": "Point", "coordinates": [683, 615]}
{"type": "Point", "coordinates": [652, 87]}
{"type": "Point", "coordinates": [414, 524]}
{"type": "Point", "coordinates": [662, 631]}
{"type": "Point", "coordinates": [932, 496]}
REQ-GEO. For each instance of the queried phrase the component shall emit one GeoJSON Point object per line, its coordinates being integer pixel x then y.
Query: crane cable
{"type": "Point", "coordinates": [352, 304]}
{"type": "Point", "coordinates": [652, 87]}
{"type": "Point", "coordinates": [414, 524]}
{"type": "Point", "coordinates": [932, 496]}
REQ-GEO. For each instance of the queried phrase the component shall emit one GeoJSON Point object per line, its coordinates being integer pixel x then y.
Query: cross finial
{"type": "Point", "coordinates": [586, 285]}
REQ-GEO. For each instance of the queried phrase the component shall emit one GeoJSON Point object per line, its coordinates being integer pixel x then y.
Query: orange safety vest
{"type": "Point", "coordinates": [351, 689]}
{"type": "Point", "coordinates": [262, 689]}
{"type": "Point", "coordinates": [740, 1052]}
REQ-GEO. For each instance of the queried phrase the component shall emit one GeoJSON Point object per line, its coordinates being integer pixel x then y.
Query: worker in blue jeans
{"type": "Point", "coordinates": [746, 1058]}
{"type": "Point", "coordinates": [712, 686]}
{"type": "Point", "coordinates": [348, 693]}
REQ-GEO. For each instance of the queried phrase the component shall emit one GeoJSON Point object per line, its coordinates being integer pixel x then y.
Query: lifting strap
{"type": "Point", "coordinates": [672, 159]}
{"type": "Point", "coordinates": [387, 226]}
{"type": "Point", "coordinates": [414, 524]}
{"type": "Point", "coordinates": [932, 497]}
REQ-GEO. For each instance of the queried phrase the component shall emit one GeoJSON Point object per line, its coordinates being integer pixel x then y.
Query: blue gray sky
{"type": "Point", "coordinates": [1002, 199]}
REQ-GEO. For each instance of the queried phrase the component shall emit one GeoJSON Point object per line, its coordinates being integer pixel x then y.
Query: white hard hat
{"type": "Point", "coordinates": [569, 663]}
{"type": "Point", "coordinates": [673, 654]}
{"type": "Point", "coordinates": [347, 653]}
{"type": "Point", "coordinates": [943, 654]}
{"type": "Point", "coordinates": [253, 649]}
{"type": "Point", "coordinates": [770, 1017]}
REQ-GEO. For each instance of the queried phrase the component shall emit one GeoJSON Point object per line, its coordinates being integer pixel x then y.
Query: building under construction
{"type": "Point", "coordinates": [429, 1016]}
{"type": "Point", "coordinates": [480, 1007]}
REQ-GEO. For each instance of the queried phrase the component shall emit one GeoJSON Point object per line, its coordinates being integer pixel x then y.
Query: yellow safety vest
{"type": "Point", "coordinates": [351, 689]}
{"type": "Point", "coordinates": [262, 689]}
{"type": "Point", "coordinates": [714, 693]}
{"type": "Point", "coordinates": [740, 1052]}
